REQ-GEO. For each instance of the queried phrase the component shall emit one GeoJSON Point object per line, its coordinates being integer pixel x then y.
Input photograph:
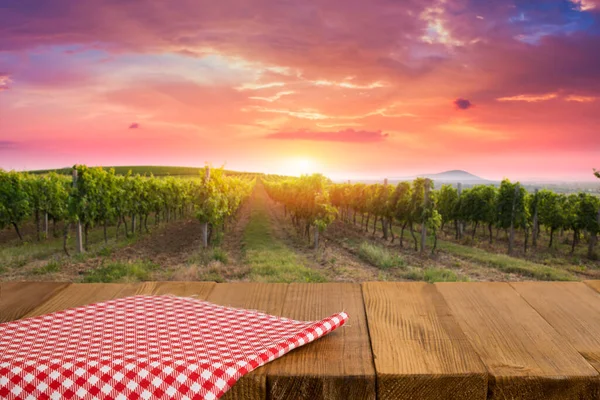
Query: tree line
{"type": "Point", "coordinates": [94, 197]}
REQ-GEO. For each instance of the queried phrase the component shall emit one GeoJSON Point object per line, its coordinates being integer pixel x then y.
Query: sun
{"type": "Point", "coordinates": [299, 166]}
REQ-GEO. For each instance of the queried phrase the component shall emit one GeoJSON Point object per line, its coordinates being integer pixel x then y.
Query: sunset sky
{"type": "Point", "coordinates": [377, 88]}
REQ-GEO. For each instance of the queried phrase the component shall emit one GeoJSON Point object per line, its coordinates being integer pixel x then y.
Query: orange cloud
{"type": "Point", "coordinates": [273, 98]}
{"type": "Point", "coordinates": [348, 135]}
{"type": "Point", "coordinates": [581, 99]}
{"type": "Point", "coordinates": [529, 98]}
{"type": "Point", "coordinates": [258, 86]}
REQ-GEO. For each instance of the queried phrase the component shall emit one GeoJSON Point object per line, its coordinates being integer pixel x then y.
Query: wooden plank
{"type": "Point", "coordinates": [525, 356]}
{"type": "Point", "coordinates": [79, 294]}
{"type": "Point", "coordinates": [199, 290]}
{"type": "Point", "coordinates": [419, 350]}
{"type": "Point", "coordinates": [337, 366]}
{"type": "Point", "coordinates": [19, 298]}
{"type": "Point", "coordinates": [593, 284]}
{"type": "Point", "coordinates": [572, 308]}
{"type": "Point", "coordinates": [264, 297]}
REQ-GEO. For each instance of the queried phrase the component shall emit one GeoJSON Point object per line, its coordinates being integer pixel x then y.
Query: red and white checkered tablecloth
{"type": "Point", "coordinates": [144, 347]}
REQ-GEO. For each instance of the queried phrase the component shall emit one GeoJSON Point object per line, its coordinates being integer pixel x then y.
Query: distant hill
{"type": "Point", "coordinates": [147, 170]}
{"type": "Point", "coordinates": [453, 176]}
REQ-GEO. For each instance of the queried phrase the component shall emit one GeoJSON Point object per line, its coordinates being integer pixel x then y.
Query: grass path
{"type": "Point", "coordinates": [394, 265]}
{"type": "Point", "coordinates": [137, 257]}
{"type": "Point", "coordinates": [506, 263]}
{"type": "Point", "coordinates": [500, 262]}
{"type": "Point", "coordinates": [34, 260]}
{"type": "Point", "coordinates": [269, 258]}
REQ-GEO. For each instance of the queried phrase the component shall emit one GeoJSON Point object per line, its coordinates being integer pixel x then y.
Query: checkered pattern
{"type": "Point", "coordinates": [144, 347]}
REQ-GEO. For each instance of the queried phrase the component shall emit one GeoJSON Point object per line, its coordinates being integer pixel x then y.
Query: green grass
{"type": "Point", "coordinates": [379, 256]}
{"type": "Point", "coordinates": [271, 260]}
{"type": "Point", "coordinates": [122, 271]}
{"type": "Point", "coordinates": [51, 267]}
{"type": "Point", "coordinates": [21, 254]}
{"type": "Point", "coordinates": [502, 262]}
{"type": "Point", "coordinates": [105, 252]}
{"type": "Point", "coordinates": [506, 263]}
{"type": "Point", "coordinates": [220, 255]}
{"type": "Point", "coordinates": [16, 256]}
{"type": "Point", "coordinates": [205, 256]}
{"type": "Point", "coordinates": [432, 275]}
{"type": "Point", "coordinates": [442, 275]}
{"type": "Point", "coordinates": [212, 274]}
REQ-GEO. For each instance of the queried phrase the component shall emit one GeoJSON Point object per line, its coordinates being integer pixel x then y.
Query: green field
{"type": "Point", "coordinates": [149, 169]}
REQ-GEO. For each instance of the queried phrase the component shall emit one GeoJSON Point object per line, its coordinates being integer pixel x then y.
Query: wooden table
{"type": "Point", "coordinates": [527, 340]}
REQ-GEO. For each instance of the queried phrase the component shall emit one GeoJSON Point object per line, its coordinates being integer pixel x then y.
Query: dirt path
{"type": "Point", "coordinates": [170, 245]}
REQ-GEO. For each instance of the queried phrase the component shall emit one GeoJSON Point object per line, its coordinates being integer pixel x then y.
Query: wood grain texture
{"type": "Point", "coordinates": [337, 366]}
{"type": "Point", "coordinates": [593, 284]}
{"type": "Point", "coordinates": [419, 350]}
{"type": "Point", "coordinates": [19, 298]}
{"type": "Point", "coordinates": [572, 308]}
{"type": "Point", "coordinates": [80, 294]}
{"type": "Point", "coordinates": [264, 297]}
{"type": "Point", "coordinates": [526, 357]}
{"type": "Point", "coordinates": [199, 290]}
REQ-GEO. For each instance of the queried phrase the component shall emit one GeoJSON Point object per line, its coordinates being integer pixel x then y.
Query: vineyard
{"type": "Point", "coordinates": [110, 225]}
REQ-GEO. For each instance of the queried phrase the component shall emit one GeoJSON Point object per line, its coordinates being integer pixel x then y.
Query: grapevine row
{"type": "Point", "coordinates": [314, 201]}
{"type": "Point", "coordinates": [99, 197]}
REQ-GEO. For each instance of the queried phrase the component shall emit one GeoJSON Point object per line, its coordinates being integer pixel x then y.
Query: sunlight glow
{"type": "Point", "coordinates": [297, 166]}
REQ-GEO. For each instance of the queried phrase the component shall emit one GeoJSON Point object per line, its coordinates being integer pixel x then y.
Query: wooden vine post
{"type": "Point", "coordinates": [45, 224]}
{"type": "Point", "coordinates": [205, 224]}
{"type": "Point", "coordinates": [459, 225]}
{"type": "Point", "coordinates": [535, 219]}
{"type": "Point", "coordinates": [384, 225]}
{"type": "Point", "coordinates": [511, 239]}
{"type": "Point", "coordinates": [316, 238]}
{"type": "Point", "coordinates": [593, 238]}
{"type": "Point", "coordinates": [78, 233]}
{"type": "Point", "coordinates": [424, 222]}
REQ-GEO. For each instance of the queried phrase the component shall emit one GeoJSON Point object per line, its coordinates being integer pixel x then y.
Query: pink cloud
{"type": "Point", "coordinates": [8, 145]}
{"type": "Point", "coordinates": [4, 81]}
{"type": "Point", "coordinates": [388, 46]}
